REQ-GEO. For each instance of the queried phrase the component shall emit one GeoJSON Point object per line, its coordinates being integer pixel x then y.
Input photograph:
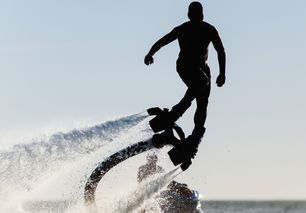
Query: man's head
{"type": "Point", "coordinates": [195, 12]}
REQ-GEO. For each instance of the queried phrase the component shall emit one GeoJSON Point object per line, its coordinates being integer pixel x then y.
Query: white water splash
{"type": "Point", "coordinates": [51, 171]}
{"type": "Point", "coordinates": [137, 199]}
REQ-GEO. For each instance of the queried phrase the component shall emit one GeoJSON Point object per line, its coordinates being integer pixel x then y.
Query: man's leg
{"type": "Point", "coordinates": [179, 109]}
{"type": "Point", "coordinates": [197, 80]}
{"type": "Point", "coordinates": [195, 138]}
{"type": "Point", "coordinates": [201, 96]}
{"type": "Point", "coordinates": [201, 110]}
{"type": "Point", "coordinates": [189, 148]}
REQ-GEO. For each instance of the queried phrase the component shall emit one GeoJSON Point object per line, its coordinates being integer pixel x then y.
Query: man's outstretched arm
{"type": "Point", "coordinates": [221, 59]}
{"type": "Point", "coordinates": [159, 44]}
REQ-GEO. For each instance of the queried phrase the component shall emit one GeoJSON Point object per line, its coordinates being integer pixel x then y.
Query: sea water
{"type": "Point", "coordinates": [255, 206]}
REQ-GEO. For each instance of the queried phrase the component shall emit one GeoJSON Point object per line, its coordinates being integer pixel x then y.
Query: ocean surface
{"type": "Point", "coordinates": [211, 206]}
{"type": "Point", "coordinates": [276, 206]}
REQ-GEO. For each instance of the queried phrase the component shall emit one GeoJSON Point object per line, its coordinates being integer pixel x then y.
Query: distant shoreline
{"type": "Point", "coordinates": [254, 206]}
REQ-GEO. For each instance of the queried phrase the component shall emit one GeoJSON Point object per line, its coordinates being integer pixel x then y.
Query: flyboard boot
{"type": "Point", "coordinates": [183, 152]}
{"type": "Point", "coordinates": [163, 119]}
{"type": "Point", "coordinates": [162, 122]}
{"type": "Point", "coordinates": [184, 148]}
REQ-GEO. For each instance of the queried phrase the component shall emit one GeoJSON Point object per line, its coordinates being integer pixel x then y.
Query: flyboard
{"type": "Point", "coordinates": [164, 135]}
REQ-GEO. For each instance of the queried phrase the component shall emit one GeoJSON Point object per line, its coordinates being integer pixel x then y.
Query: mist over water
{"type": "Point", "coordinates": [144, 192]}
{"type": "Point", "coordinates": [48, 174]}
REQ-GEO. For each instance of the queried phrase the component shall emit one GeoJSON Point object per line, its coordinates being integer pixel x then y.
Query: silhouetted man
{"type": "Point", "coordinates": [194, 37]}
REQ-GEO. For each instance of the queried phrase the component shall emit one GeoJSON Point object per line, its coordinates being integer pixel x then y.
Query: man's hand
{"type": "Point", "coordinates": [220, 80]}
{"type": "Point", "coordinates": [148, 59]}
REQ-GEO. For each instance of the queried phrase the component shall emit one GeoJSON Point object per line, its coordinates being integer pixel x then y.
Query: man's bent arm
{"type": "Point", "coordinates": [163, 41]}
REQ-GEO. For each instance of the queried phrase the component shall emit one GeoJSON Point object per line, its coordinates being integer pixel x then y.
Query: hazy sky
{"type": "Point", "coordinates": [65, 63]}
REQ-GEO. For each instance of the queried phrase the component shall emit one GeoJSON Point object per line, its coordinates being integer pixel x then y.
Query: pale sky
{"type": "Point", "coordinates": [64, 63]}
